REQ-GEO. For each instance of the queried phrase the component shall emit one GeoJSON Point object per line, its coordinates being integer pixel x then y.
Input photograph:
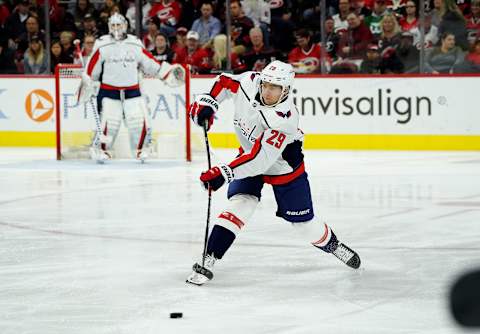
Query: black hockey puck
{"type": "Point", "coordinates": [175, 315]}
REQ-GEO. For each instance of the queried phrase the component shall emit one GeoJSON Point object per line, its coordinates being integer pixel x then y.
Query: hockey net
{"type": "Point", "coordinates": [172, 136]}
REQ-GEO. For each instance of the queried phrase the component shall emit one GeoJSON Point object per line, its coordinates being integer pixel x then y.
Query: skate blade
{"type": "Point", "coordinates": [197, 279]}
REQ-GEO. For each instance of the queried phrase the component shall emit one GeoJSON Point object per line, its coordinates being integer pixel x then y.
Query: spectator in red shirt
{"type": "Point", "coordinates": [258, 55]}
{"type": "Point", "coordinates": [353, 43]}
{"type": "Point", "coordinates": [306, 57]}
{"type": "Point", "coordinates": [197, 57]}
{"type": "Point", "coordinates": [169, 13]}
{"type": "Point", "coordinates": [179, 48]}
{"type": "Point", "coordinates": [4, 13]}
{"type": "Point", "coordinates": [474, 55]}
{"type": "Point", "coordinates": [473, 22]}
{"type": "Point", "coordinates": [409, 21]}
{"type": "Point", "coordinates": [153, 28]}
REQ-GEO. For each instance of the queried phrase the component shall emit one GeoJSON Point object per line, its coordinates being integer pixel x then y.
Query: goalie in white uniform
{"type": "Point", "coordinates": [115, 63]}
{"type": "Point", "coordinates": [266, 125]}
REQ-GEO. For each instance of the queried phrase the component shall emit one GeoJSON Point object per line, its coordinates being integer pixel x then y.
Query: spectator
{"type": "Point", "coordinates": [162, 51]}
{"type": "Point", "coordinates": [32, 25]}
{"type": "Point", "coordinates": [331, 38]}
{"type": "Point", "coordinates": [340, 19]}
{"type": "Point", "coordinates": [373, 21]}
{"type": "Point", "coordinates": [371, 63]}
{"type": "Point", "coordinates": [358, 6]}
{"type": "Point", "coordinates": [473, 57]}
{"type": "Point", "coordinates": [66, 40]}
{"type": "Point", "coordinates": [152, 31]}
{"type": "Point", "coordinates": [57, 55]}
{"type": "Point", "coordinates": [4, 13]}
{"type": "Point", "coordinates": [282, 26]}
{"type": "Point", "coordinates": [89, 27]}
{"type": "Point", "coordinates": [107, 9]}
{"type": "Point", "coordinates": [258, 56]}
{"type": "Point", "coordinates": [353, 43]}
{"type": "Point", "coordinates": [436, 12]}
{"type": "Point", "coordinates": [306, 57]}
{"type": "Point", "coordinates": [87, 49]}
{"type": "Point", "coordinates": [259, 12]}
{"type": "Point", "coordinates": [179, 48]}
{"type": "Point", "coordinates": [207, 25]}
{"type": "Point", "coordinates": [431, 34]}
{"type": "Point", "coordinates": [452, 21]}
{"type": "Point", "coordinates": [408, 53]}
{"type": "Point", "coordinates": [391, 32]}
{"type": "Point", "coordinates": [169, 13]}
{"type": "Point", "coordinates": [446, 57]}
{"type": "Point", "coordinates": [473, 22]}
{"type": "Point", "coordinates": [197, 57]}
{"type": "Point", "coordinates": [241, 26]}
{"type": "Point", "coordinates": [219, 58]}
{"type": "Point", "coordinates": [35, 59]}
{"type": "Point", "coordinates": [82, 8]}
{"type": "Point", "coordinates": [15, 23]}
{"type": "Point", "coordinates": [409, 21]}
{"type": "Point", "coordinates": [7, 57]}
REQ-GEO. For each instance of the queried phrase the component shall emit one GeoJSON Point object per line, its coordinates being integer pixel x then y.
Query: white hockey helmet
{"type": "Point", "coordinates": [280, 74]}
{"type": "Point", "coordinates": [117, 26]}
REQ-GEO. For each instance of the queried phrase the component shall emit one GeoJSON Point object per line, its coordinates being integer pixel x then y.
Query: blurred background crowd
{"type": "Point", "coordinates": [327, 36]}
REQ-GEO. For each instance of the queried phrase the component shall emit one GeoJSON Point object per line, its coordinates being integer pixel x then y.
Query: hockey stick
{"type": "Point", "coordinates": [207, 227]}
{"type": "Point", "coordinates": [99, 136]}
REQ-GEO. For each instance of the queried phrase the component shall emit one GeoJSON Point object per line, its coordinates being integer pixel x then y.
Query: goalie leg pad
{"type": "Point", "coordinates": [137, 123]}
{"type": "Point", "coordinates": [111, 119]}
{"type": "Point", "coordinates": [229, 223]}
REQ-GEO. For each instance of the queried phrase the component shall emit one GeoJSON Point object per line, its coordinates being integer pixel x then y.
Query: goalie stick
{"type": "Point", "coordinates": [99, 136]}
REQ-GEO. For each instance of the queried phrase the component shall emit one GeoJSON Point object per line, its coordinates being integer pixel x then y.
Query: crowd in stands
{"type": "Point", "coordinates": [361, 36]}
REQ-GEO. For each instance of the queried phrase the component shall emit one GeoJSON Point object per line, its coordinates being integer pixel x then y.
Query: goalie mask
{"type": "Point", "coordinates": [280, 74]}
{"type": "Point", "coordinates": [117, 26]}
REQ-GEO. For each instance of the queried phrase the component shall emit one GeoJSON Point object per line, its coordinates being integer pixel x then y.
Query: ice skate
{"type": "Point", "coordinates": [142, 155]}
{"type": "Point", "coordinates": [200, 275]}
{"type": "Point", "coordinates": [99, 156]}
{"type": "Point", "coordinates": [347, 256]}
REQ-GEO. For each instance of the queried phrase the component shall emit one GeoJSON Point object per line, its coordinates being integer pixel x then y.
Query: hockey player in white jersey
{"type": "Point", "coordinates": [115, 63]}
{"type": "Point", "coordinates": [266, 124]}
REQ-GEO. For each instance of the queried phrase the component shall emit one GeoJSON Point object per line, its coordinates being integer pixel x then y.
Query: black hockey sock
{"type": "Point", "coordinates": [219, 241]}
{"type": "Point", "coordinates": [331, 245]}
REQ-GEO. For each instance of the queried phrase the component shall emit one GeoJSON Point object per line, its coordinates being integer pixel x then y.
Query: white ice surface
{"type": "Point", "coordinates": [93, 249]}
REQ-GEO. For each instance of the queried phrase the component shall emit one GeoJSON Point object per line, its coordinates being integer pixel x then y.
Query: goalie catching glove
{"type": "Point", "coordinates": [216, 176]}
{"type": "Point", "coordinates": [172, 75]}
{"type": "Point", "coordinates": [203, 110]}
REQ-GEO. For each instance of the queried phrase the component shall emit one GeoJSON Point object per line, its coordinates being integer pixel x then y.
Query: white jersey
{"type": "Point", "coordinates": [271, 142]}
{"type": "Point", "coordinates": [116, 62]}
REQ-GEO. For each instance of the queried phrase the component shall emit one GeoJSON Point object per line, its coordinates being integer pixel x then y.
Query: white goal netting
{"type": "Point", "coordinates": [172, 137]}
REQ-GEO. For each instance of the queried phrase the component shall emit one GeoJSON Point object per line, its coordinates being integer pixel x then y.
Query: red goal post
{"type": "Point", "coordinates": [167, 108]}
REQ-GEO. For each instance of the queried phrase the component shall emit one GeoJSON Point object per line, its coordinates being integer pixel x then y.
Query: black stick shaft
{"type": "Point", "coordinates": [207, 227]}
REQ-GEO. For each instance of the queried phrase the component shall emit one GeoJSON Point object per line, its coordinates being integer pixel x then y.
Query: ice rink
{"type": "Point", "coordinates": [86, 248]}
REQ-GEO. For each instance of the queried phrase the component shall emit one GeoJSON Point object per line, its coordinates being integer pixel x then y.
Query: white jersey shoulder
{"type": "Point", "coordinates": [283, 117]}
{"type": "Point", "coordinates": [132, 39]}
